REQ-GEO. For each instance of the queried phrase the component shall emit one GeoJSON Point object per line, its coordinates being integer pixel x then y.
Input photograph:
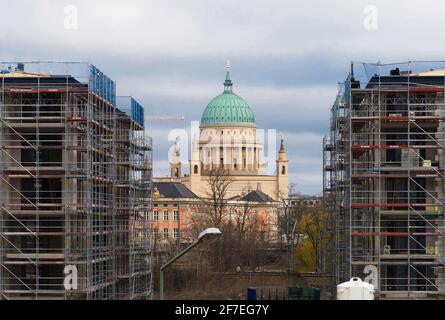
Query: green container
{"type": "Point", "coordinates": [302, 293]}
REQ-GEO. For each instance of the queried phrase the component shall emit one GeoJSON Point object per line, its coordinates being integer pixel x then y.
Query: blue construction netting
{"type": "Point", "coordinates": [137, 112]}
{"type": "Point", "coordinates": [132, 108]}
{"type": "Point", "coordinates": [102, 85]}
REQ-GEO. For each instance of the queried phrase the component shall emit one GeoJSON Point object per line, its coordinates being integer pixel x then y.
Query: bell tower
{"type": "Point", "coordinates": [175, 164]}
{"type": "Point", "coordinates": [282, 172]}
{"type": "Point", "coordinates": [195, 163]}
{"type": "Point", "coordinates": [195, 168]}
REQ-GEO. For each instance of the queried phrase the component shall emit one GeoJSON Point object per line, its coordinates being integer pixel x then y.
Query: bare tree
{"type": "Point", "coordinates": [244, 224]}
{"type": "Point", "coordinates": [212, 211]}
{"type": "Point", "coordinates": [243, 215]}
{"type": "Point", "coordinates": [216, 199]}
{"type": "Point", "coordinates": [247, 231]}
{"type": "Point", "coordinates": [198, 218]}
{"type": "Point", "coordinates": [289, 217]}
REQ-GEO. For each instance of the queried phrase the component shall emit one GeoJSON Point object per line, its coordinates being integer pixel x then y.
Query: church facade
{"type": "Point", "coordinates": [228, 143]}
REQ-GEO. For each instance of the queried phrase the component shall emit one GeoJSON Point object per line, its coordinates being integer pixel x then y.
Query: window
{"type": "Point", "coordinates": [165, 215]}
{"type": "Point", "coordinates": [155, 215]}
{"type": "Point", "coordinates": [283, 170]}
{"type": "Point", "coordinates": [176, 233]}
{"type": "Point", "coordinates": [165, 233]}
{"type": "Point", "coordinates": [195, 169]}
{"type": "Point", "coordinates": [397, 154]}
{"type": "Point", "coordinates": [176, 215]}
{"type": "Point", "coordinates": [156, 232]}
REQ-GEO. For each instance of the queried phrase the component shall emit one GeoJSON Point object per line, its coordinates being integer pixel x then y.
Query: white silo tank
{"type": "Point", "coordinates": [355, 289]}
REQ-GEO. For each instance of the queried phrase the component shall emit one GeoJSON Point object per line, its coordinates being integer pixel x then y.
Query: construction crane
{"type": "Point", "coordinates": [168, 118]}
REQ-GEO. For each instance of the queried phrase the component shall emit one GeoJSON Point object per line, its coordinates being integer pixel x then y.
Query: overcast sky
{"type": "Point", "coordinates": [287, 56]}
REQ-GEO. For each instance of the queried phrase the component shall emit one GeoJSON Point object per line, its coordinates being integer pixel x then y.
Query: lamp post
{"type": "Point", "coordinates": [207, 234]}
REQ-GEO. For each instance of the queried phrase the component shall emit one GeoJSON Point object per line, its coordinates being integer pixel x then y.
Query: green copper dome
{"type": "Point", "coordinates": [228, 108]}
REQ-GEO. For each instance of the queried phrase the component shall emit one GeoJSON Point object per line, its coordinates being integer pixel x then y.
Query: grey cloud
{"type": "Point", "coordinates": [287, 56]}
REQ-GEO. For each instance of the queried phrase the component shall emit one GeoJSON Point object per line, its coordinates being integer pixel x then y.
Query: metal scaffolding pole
{"type": "Point", "coordinates": [65, 186]}
{"type": "Point", "coordinates": [384, 181]}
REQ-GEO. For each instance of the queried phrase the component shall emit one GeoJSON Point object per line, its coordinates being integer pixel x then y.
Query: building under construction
{"type": "Point", "coordinates": [75, 186]}
{"type": "Point", "coordinates": [384, 179]}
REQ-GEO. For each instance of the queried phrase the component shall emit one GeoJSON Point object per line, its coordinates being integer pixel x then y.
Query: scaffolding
{"type": "Point", "coordinates": [74, 206]}
{"type": "Point", "coordinates": [384, 179]}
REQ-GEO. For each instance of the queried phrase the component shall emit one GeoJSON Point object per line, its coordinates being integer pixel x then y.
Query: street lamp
{"type": "Point", "coordinates": [207, 234]}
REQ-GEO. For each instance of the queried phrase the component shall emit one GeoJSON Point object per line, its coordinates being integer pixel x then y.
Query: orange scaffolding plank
{"type": "Point", "coordinates": [20, 176]}
{"type": "Point", "coordinates": [393, 234]}
{"type": "Point", "coordinates": [393, 175]}
{"type": "Point", "coordinates": [81, 118]}
{"type": "Point", "coordinates": [366, 147]}
{"type": "Point", "coordinates": [414, 89]}
{"type": "Point", "coordinates": [398, 118]}
{"type": "Point", "coordinates": [393, 204]}
{"type": "Point", "coordinates": [44, 90]}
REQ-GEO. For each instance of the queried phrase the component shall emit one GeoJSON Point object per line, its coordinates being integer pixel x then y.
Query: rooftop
{"type": "Point", "coordinates": [256, 196]}
{"type": "Point", "coordinates": [174, 190]}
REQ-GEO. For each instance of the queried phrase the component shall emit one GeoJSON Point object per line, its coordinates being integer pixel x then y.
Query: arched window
{"type": "Point", "coordinates": [283, 170]}
{"type": "Point", "coordinates": [195, 169]}
{"type": "Point", "coordinates": [176, 173]}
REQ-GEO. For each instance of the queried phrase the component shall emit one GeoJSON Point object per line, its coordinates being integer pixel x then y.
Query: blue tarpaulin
{"type": "Point", "coordinates": [132, 108]}
{"type": "Point", "coordinates": [102, 85]}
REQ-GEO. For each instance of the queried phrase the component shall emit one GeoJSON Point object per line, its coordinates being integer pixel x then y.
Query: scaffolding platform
{"type": "Point", "coordinates": [384, 179]}
{"type": "Point", "coordinates": [75, 185]}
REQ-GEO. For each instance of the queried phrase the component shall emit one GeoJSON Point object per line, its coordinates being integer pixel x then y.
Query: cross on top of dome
{"type": "Point", "coordinates": [228, 82]}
